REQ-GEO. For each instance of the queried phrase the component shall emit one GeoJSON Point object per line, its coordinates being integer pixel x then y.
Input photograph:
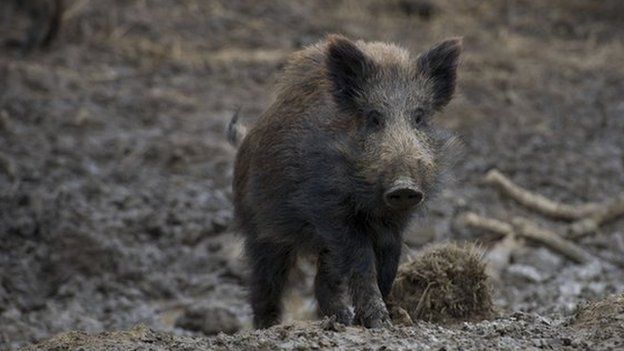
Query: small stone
{"type": "Point", "coordinates": [5, 121]}
{"type": "Point", "coordinates": [570, 288]}
{"type": "Point", "coordinates": [525, 273]}
{"type": "Point", "coordinates": [7, 166]}
{"type": "Point", "coordinates": [597, 288]}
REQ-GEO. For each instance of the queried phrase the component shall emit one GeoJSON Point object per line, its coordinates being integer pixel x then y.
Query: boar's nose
{"type": "Point", "coordinates": [403, 196]}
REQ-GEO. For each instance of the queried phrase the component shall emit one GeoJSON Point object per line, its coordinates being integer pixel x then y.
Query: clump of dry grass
{"type": "Point", "coordinates": [446, 283]}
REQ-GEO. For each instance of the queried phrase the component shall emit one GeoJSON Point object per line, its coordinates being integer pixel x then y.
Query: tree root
{"type": "Point", "coordinates": [535, 201]}
{"type": "Point", "coordinates": [587, 218]}
{"type": "Point", "coordinates": [523, 228]}
{"type": "Point", "coordinates": [602, 214]}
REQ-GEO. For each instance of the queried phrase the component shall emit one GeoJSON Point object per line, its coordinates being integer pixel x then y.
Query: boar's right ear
{"type": "Point", "coordinates": [348, 68]}
{"type": "Point", "coordinates": [439, 65]}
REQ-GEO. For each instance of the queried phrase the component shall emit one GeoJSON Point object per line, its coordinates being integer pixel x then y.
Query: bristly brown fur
{"type": "Point", "coordinates": [350, 122]}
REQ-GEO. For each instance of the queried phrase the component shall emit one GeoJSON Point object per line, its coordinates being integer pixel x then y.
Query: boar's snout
{"type": "Point", "coordinates": [403, 195]}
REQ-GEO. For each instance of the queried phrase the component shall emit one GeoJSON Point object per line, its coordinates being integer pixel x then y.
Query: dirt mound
{"type": "Point", "coordinates": [602, 320]}
{"type": "Point", "coordinates": [446, 283]}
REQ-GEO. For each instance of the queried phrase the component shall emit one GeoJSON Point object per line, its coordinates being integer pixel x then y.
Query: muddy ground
{"type": "Point", "coordinates": [114, 173]}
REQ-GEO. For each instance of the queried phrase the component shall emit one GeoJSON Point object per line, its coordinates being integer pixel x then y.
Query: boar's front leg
{"type": "Point", "coordinates": [355, 257]}
{"type": "Point", "coordinates": [388, 254]}
{"type": "Point", "coordinates": [330, 290]}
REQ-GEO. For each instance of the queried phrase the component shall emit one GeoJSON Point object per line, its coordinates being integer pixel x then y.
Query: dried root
{"type": "Point", "coordinates": [529, 230]}
{"type": "Point", "coordinates": [523, 228]}
{"type": "Point", "coordinates": [535, 201]}
{"type": "Point", "coordinates": [499, 255]}
{"type": "Point", "coordinates": [602, 214]}
{"type": "Point", "coordinates": [587, 218]}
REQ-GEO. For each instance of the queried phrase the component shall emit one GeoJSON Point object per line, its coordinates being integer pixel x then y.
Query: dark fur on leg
{"type": "Point", "coordinates": [388, 254]}
{"type": "Point", "coordinates": [270, 266]}
{"type": "Point", "coordinates": [353, 257]}
{"type": "Point", "coordinates": [330, 291]}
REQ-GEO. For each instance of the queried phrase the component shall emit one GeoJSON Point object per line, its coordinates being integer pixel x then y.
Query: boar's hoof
{"type": "Point", "coordinates": [344, 316]}
{"type": "Point", "coordinates": [376, 316]}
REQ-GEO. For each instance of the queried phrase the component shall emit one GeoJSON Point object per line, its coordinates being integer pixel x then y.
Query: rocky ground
{"type": "Point", "coordinates": [114, 173]}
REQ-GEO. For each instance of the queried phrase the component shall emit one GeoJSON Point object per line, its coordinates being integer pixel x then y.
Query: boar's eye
{"type": "Point", "coordinates": [418, 117]}
{"type": "Point", "coordinates": [375, 119]}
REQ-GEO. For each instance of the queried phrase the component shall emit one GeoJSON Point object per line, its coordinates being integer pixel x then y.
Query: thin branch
{"type": "Point", "coordinates": [524, 228]}
{"type": "Point", "coordinates": [499, 255]}
{"type": "Point", "coordinates": [471, 219]}
{"type": "Point", "coordinates": [527, 229]}
{"type": "Point", "coordinates": [603, 213]}
{"type": "Point", "coordinates": [587, 218]}
{"type": "Point", "coordinates": [538, 202]}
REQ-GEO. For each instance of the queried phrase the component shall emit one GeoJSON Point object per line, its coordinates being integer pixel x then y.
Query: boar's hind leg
{"type": "Point", "coordinates": [330, 291]}
{"type": "Point", "coordinates": [388, 255]}
{"type": "Point", "coordinates": [35, 32]}
{"type": "Point", "coordinates": [270, 263]}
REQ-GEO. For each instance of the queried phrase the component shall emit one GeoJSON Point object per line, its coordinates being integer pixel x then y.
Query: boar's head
{"type": "Point", "coordinates": [387, 101]}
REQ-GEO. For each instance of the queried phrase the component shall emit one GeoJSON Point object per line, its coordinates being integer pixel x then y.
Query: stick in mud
{"type": "Point", "coordinates": [587, 217]}
{"type": "Point", "coordinates": [524, 228]}
{"type": "Point", "coordinates": [603, 213]}
{"type": "Point", "coordinates": [535, 201]}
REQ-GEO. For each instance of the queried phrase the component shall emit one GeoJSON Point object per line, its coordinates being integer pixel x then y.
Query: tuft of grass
{"type": "Point", "coordinates": [445, 283]}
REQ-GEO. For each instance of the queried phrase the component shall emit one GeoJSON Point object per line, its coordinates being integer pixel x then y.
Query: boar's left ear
{"type": "Point", "coordinates": [348, 68]}
{"type": "Point", "coordinates": [439, 65]}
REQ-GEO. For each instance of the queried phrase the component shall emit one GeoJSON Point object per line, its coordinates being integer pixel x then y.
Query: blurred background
{"type": "Point", "coordinates": [115, 173]}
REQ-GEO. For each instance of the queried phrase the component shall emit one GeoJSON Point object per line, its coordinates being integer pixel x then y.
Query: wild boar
{"type": "Point", "coordinates": [337, 166]}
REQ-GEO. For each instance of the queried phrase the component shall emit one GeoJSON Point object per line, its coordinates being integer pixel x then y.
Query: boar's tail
{"type": "Point", "coordinates": [234, 131]}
